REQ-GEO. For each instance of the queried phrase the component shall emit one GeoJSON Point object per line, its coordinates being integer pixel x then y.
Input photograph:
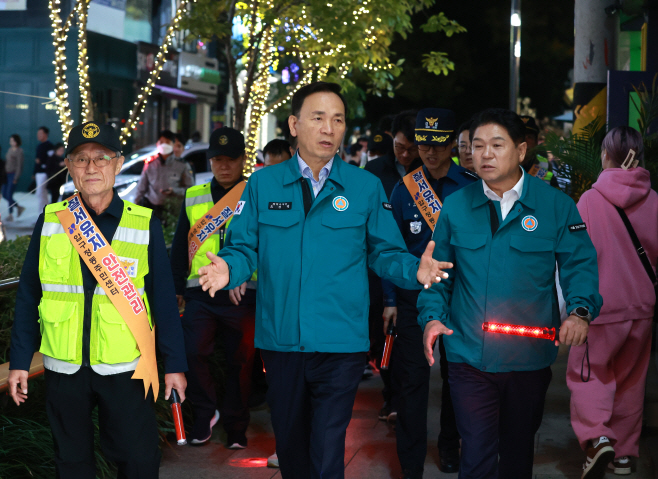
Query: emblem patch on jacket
{"type": "Point", "coordinates": [129, 265]}
{"type": "Point", "coordinates": [529, 223]}
{"type": "Point", "coordinates": [239, 207]}
{"type": "Point", "coordinates": [340, 203]}
{"type": "Point", "coordinates": [415, 227]}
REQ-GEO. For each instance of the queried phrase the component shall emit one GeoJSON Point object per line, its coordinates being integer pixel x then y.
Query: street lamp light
{"type": "Point", "coordinates": [514, 54]}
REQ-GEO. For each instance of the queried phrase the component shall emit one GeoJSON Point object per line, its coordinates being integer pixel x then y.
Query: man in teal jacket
{"type": "Point", "coordinates": [505, 235]}
{"type": "Point", "coordinates": [313, 225]}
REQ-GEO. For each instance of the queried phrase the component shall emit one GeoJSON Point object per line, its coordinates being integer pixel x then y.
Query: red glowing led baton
{"type": "Point", "coordinates": [528, 331]}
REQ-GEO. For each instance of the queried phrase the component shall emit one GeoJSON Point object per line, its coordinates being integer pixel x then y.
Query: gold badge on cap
{"type": "Point", "coordinates": [91, 130]}
{"type": "Point", "coordinates": [378, 138]}
{"type": "Point", "coordinates": [440, 138]}
{"type": "Point", "coordinates": [525, 120]}
{"type": "Point", "coordinates": [223, 140]}
{"type": "Point", "coordinates": [431, 122]}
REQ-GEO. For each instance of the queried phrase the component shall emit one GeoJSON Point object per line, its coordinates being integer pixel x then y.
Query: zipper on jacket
{"type": "Point", "coordinates": [86, 328]}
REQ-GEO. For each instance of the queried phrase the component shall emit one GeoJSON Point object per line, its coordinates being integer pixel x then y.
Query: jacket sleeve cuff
{"type": "Point", "coordinates": [423, 320]}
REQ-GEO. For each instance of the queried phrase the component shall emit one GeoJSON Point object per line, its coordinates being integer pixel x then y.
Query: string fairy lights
{"type": "Point", "coordinates": [142, 97]}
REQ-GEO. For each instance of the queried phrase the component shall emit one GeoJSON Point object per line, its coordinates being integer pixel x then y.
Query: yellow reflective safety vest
{"type": "Point", "coordinates": [198, 201]}
{"type": "Point", "coordinates": [61, 311]}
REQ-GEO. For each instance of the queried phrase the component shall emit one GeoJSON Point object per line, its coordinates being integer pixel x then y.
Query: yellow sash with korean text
{"type": "Point", "coordinates": [426, 200]}
{"type": "Point", "coordinates": [102, 261]}
{"type": "Point", "coordinates": [214, 219]}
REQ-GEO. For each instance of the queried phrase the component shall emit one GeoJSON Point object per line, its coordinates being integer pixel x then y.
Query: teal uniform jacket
{"type": "Point", "coordinates": [510, 277]}
{"type": "Point", "coordinates": [312, 271]}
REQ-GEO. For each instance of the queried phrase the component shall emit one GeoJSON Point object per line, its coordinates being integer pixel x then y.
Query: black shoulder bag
{"type": "Point", "coordinates": [643, 256]}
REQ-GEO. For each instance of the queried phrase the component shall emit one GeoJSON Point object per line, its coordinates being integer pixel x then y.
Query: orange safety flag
{"type": "Point", "coordinates": [102, 261]}
{"type": "Point", "coordinates": [426, 200]}
{"type": "Point", "coordinates": [214, 219]}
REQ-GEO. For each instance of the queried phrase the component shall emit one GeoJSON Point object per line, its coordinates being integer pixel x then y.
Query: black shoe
{"type": "Point", "coordinates": [448, 460]}
{"type": "Point", "coordinates": [202, 431]}
{"type": "Point", "coordinates": [385, 411]}
{"type": "Point", "coordinates": [236, 441]}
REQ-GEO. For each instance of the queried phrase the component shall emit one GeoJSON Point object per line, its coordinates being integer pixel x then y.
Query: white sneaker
{"type": "Point", "coordinates": [200, 442]}
{"type": "Point", "coordinates": [273, 461]}
{"type": "Point", "coordinates": [621, 466]}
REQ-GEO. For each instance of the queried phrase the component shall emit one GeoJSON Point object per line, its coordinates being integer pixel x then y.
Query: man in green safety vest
{"type": "Point", "coordinates": [230, 315]}
{"type": "Point", "coordinates": [94, 284]}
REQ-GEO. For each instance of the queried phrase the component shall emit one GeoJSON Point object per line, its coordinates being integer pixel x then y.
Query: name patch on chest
{"type": "Point", "coordinates": [280, 205]}
{"type": "Point", "coordinates": [578, 227]}
{"type": "Point", "coordinates": [387, 206]}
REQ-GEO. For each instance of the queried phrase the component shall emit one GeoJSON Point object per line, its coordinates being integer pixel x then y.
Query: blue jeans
{"type": "Point", "coordinates": [8, 190]}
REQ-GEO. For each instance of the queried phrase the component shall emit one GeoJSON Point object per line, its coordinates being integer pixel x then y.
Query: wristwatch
{"type": "Point", "coordinates": [583, 313]}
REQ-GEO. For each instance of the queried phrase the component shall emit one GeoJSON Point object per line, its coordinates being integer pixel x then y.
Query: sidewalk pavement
{"type": "Point", "coordinates": [370, 445]}
{"type": "Point", "coordinates": [25, 224]}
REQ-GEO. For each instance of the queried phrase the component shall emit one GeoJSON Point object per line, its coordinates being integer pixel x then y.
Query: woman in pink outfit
{"type": "Point", "coordinates": [606, 411]}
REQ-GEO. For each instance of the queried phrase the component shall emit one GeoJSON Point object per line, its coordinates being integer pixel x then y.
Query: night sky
{"type": "Point", "coordinates": [481, 57]}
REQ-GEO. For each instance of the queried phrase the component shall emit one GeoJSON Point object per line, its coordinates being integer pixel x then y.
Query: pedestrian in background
{"type": "Point", "coordinates": [464, 146]}
{"type": "Point", "coordinates": [606, 410]}
{"type": "Point", "coordinates": [56, 176]}
{"type": "Point", "coordinates": [163, 176]}
{"type": "Point", "coordinates": [276, 151]}
{"type": "Point", "coordinates": [41, 167]}
{"type": "Point", "coordinates": [13, 168]}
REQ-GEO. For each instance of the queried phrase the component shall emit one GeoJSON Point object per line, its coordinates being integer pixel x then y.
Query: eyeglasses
{"type": "Point", "coordinates": [401, 149]}
{"type": "Point", "coordinates": [464, 148]}
{"type": "Point", "coordinates": [82, 162]}
{"type": "Point", "coordinates": [437, 148]}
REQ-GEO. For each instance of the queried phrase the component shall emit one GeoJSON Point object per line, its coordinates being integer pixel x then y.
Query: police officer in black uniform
{"type": "Point", "coordinates": [435, 136]}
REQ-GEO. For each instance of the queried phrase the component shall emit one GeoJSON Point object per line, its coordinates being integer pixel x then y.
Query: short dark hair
{"type": "Point", "coordinates": [58, 145]}
{"type": "Point", "coordinates": [385, 123]}
{"type": "Point", "coordinates": [503, 117]}
{"type": "Point", "coordinates": [405, 122]}
{"type": "Point", "coordinates": [276, 147]}
{"type": "Point", "coordinates": [317, 87]}
{"type": "Point", "coordinates": [167, 134]}
{"type": "Point", "coordinates": [179, 137]}
{"type": "Point", "coordinates": [355, 148]}
{"type": "Point", "coordinates": [17, 139]}
{"type": "Point", "coordinates": [620, 140]}
{"type": "Point", "coordinates": [45, 129]}
{"type": "Point", "coordinates": [466, 126]}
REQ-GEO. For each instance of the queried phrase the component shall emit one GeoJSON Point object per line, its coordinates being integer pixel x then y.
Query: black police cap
{"type": "Point", "coordinates": [530, 124]}
{"type": "Point", "coordinates": [225, 141]}
{"type": "Point", "coordinates": [435, 126]}
{"type": "Point", "coordinates": [380, 141]}
{"type": "Point", "coordinates": [92, 132]}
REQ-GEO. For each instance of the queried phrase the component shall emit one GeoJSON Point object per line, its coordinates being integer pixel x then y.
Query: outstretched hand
{"type": "Point", "coordinates": [215, 276]}
{"type": "Point", "coordinates": [430, 271]}
{"type": "Point", "coordinates": [433, 330]}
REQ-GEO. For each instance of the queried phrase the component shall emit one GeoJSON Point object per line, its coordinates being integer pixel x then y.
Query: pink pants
{"type": "Point", "coordinates": [611, 402]}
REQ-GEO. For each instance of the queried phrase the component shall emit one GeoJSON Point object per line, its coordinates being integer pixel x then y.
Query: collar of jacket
{"type": "Point", "coordinates": [528, 196]}
{"type": "Point", "coordinates": [336, 174]}
{"type": "Point", "coordinates": [452, 175]}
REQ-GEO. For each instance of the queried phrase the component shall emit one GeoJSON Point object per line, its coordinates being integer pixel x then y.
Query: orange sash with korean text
{"type": "Point", "coordinates": [214, 219]}
{"type": "Point", "coordinates": [102, 261]}
{"type": "Point", "coordinates": [426, 200]}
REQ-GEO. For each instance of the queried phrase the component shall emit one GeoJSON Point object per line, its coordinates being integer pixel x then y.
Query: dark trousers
{"type": "Point", "coordinates": [377, 336]}
{"type": "Point", "coordinates": [204, 324]}
{"type": "Point", "coordinates": [411, 374]}
{"type": "Point", "coordinates": [158, 210]}
{"type": "Point", "coordinates": [8, 190]}
{"type": "Point", "coordinates": [311, 396]}
{"type": "Point", "coordinates": [127, 426]}
{"type": "Point", "coordinates": [498, 415]}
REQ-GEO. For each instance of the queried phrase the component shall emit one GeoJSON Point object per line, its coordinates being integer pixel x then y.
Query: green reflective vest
{"type": "Point", "coordinates": [61, 310]}
{"type": "Point", "coordinates": [198, 201]}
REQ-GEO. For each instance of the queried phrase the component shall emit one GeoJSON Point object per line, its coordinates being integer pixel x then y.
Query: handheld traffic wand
{"type": "Point", "coordinates": [513, 329]}
{"type": "Point", "coordinates": [388, 346]}
{"type": "Point", "coordinates": [178, 418]}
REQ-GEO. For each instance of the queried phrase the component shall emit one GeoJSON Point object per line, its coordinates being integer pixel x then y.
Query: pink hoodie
{"type": "Point", "coordinates": [623, 282]}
